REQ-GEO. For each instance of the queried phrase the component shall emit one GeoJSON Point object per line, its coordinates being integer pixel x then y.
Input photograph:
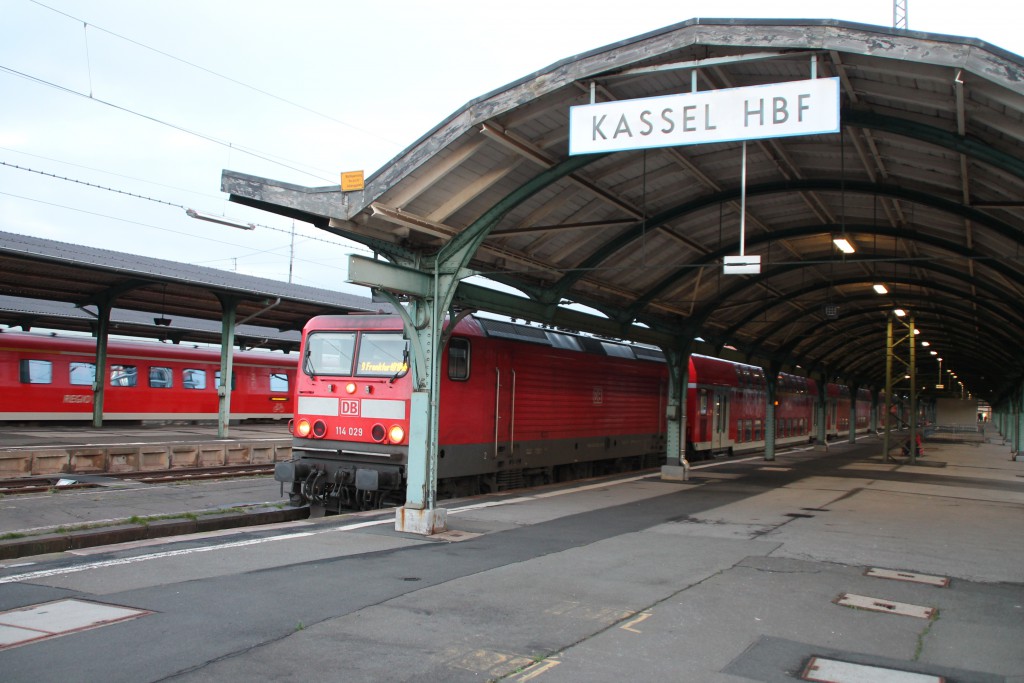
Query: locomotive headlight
{"type": "Point", "coordinates": [303, 428]}
{"type": "Point", "coordinates": [396, 434]}
{"type": "Point", "coordinates": [319, 429]}
{"type": "Point", "coordinates": [350, 388]}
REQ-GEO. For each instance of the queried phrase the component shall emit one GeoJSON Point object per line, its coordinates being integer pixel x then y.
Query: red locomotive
{"type": "Point", "coordinates": [49, 378]}
{"type": "Point", "coordinates": [520, 405]}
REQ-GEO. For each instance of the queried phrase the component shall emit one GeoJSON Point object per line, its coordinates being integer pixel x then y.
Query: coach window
{"type": "Point", "coordinates": [757, 430]}
{"type": "Point", "coordinates": [123, 375]}
{"type": "Point", "coordinates": [193, 379]}
{"type": "Point", "coordinates": [458, 359]}
{"type": "Point", "coordinates": [36, 372]}
{"type": "Point", "coordinates": [278, 382]}
{"type": "Point", "coordinates": [234, 380]}
{"type": "Point", "coordinates": [82, 374]}
{"type": "Point", "coordinates": [161, 378]}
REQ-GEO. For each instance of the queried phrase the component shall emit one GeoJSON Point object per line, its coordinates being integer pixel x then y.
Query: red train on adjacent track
{"type": "Point", "coordinates": [519, 405]}
{"type": "Point", "coordinates": [48, 378]}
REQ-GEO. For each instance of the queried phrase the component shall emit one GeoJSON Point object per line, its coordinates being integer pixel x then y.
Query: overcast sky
{"type": "Point", "coordinates": [156, 98]}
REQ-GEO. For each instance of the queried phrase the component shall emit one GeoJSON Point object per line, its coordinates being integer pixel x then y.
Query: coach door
{"type": "Point", "coordinates": [504, 406]}
{"type": "Point", "coordinates": [719, 420]}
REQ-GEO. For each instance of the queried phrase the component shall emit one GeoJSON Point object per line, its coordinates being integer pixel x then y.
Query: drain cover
{"type": "Point", "coordinates": [888, 606]}
{"type": "Point", "coordinates": [833, 671]}
{"type": "Point", "coordinates": [53, 619]}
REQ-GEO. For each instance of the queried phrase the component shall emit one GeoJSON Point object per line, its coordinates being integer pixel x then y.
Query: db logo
{"type": "Point", "coordinates": [349, 409]}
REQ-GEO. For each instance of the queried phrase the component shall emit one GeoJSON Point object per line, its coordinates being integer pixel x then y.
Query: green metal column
{"type": "Point", "coordinates": [873, 420]}
{"type": "Point", "coordinates": [677, 467]}
{"type": "Point", "coordinates": [912, 340]}
{"type": "Point", "coordinates": [771, 379]}
{"type": "Point", "coordinates": [888, 389]}
{"type": "Point", "coordinates": [1018, 423]}
{"type": "Point", "coordinates": [854, 388]}
{"type": "Point", "coordinates": [227, 344]}
{"type": "Point", "coordinates": [819, 410]}
{"type": "Point", "coordinates": [100, 380]}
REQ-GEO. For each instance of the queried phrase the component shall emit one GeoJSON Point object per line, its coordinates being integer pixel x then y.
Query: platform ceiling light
{"type": "Point", "coordinates": [192, 213]}
{"type": "Point", "coordinates": [934, 353]}
{"type": "Point", "coordinates": [924, 343]}
{"type": "Point", "coordinates": [844, 245]}
{"type": "Point", "coordinates": [899, 312]}
{"type": "Point", "coordinates": [881, 289]}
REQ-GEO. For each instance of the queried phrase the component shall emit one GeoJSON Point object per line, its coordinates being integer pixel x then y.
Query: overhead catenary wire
{"type": "Point", "coordinates": [265, 156]}
{"type": "Point", "coordinates": [213, 73]}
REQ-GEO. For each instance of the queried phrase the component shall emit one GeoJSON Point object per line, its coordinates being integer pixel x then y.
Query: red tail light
{"type": "Point", "coordinates": [319, 429]}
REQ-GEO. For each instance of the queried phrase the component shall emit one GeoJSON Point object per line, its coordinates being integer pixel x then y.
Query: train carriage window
{"type": "Point", "coordinates": [739, 431]}
{"type": "Point", "coordinates": [329, 353]}
{"type": "Point", "coordinates": [382, 355]}
{"type": "Point", "coordinates": [748, 430]}
{"type": "Point", "coordinates": [757, 430]}
{"type": "Point", "coordinates": [234, 379]}
{"type": "Point", "coordinates": [458, 359]}
{"type": "Point", "coordinates": [36, 371]}
{"type": "Point", "coordinates": [279, 382]}
{"type": "Point", "coordinates": [82, 374]}
{"type": "Point", "coordinates": [161, 378]}
{"type": "Point", "coordinates": [123, 375]}
{"type": "Point", "coordinates": [193, 379]}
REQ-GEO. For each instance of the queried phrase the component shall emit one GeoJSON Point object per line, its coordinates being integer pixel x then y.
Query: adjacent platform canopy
{"type": "Point", "coordinates": [56, 285]}
{"type": "Point", "coordinates": [925, 179]}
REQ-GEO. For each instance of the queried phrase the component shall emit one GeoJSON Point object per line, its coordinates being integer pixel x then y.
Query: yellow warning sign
{"type": "Point", "coordinates": [351, 181]}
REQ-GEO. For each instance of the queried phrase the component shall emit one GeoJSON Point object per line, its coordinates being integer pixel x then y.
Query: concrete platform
{"type": "Point", "coordinates": [53, 450]}
{"type": "Point", "coordinates": [734, 575]}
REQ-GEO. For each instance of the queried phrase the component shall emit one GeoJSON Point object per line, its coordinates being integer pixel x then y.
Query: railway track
{"type": "Point", "coordinates": [70, 482]}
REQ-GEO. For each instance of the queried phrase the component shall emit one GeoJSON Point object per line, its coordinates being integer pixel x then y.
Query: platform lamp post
{"type": "Point", "coordinates": [896, 324]}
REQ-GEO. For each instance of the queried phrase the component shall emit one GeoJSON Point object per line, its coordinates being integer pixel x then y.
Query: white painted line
{"type": "Point", "coordinates": [940, 581]}
{"type": "Point", "coordinates": [832, 671]}
{"type": "Point", "coordinates": [726, 462]}
{"type": "Point", "coordinates": [887, 606]}
{"type": "Point", "coordinates": [775, 469]}
{"type": "Point", "coordinates": [45, 573]}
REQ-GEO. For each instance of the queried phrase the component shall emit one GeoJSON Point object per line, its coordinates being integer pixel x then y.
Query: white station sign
{"type": "Point", "coordinates": [761, 111]}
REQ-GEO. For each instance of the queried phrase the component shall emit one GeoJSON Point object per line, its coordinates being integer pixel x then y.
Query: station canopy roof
{"type": "Point", "coordinates": [55, 285]}
{"type": "Point", "coordinates": [925, 178]}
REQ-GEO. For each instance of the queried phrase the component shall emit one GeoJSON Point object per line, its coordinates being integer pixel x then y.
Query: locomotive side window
{"type": "Point", "coordinates": [193, 379]}
{"type": "Point", "coordinates": [82, 374]}
{"type": "Point", "coordinates": [458, 359]}
{"type": "Point", "coordinates": [278, 382]}
{"type": "Point", "coordinates": [123, 375]}
{"type": "Point", "coordinates": [161, 378]}
{"type": "Point", "coordinates": [382, 355]}
{"type": "Point", "coordinates": [36, 372]}
{"type": "Point", "coordinates": [329, 353]}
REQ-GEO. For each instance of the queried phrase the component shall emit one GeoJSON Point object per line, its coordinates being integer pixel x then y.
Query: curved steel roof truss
{"type": "Point", "coordinates": [926, 177]}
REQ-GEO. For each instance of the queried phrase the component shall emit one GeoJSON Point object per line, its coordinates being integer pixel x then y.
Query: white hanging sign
{"type": "Point", "coordinates": [762, 111]}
